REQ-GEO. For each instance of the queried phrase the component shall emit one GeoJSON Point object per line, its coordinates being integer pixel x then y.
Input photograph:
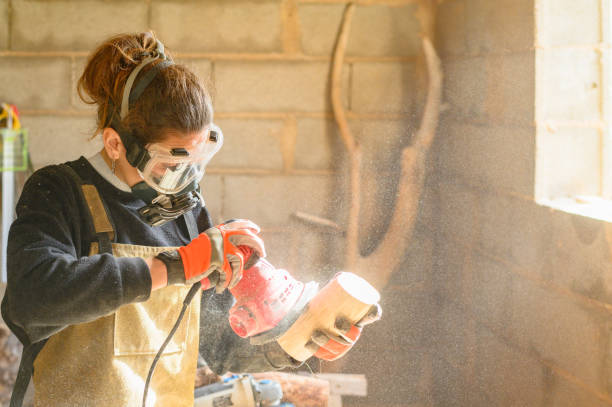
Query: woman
{"type": "Point", "coordinates": [105, 249]}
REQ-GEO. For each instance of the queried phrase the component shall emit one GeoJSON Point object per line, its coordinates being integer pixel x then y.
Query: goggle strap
{"type": "Point", "coordinates": [127, 98]}
{"type": "Point", "coordinates": [136, 154]}
{"type": "Point", "coordinates": [147, 79]}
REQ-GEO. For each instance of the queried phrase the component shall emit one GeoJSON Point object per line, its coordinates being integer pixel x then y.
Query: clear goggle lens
{"type": "Point", "coordinates": [170, 170]}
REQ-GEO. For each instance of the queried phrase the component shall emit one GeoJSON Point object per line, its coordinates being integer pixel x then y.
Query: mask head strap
{"type": "Point", "coordinates": [137, 155]}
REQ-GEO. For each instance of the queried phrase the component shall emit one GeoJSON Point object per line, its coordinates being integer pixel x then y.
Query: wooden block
{"type": "Point", "coordinates": [347, 295]}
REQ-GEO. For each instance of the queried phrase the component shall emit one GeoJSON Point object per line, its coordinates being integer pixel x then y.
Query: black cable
{"type": "Point", "coordinates": [192, 292]}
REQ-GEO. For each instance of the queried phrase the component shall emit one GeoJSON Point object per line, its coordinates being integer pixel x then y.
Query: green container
{"type": "Point", "coordinates": [14, 150]}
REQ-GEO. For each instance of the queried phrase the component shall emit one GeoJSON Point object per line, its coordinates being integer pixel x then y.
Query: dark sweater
{"type": "Point", "coordinates": [53, 283]}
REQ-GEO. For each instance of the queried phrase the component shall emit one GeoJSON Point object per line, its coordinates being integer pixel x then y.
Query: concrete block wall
{"type": "Point", "coordinates": [267, 63]}
{"type": "Point", "coordinates": [523, 292]}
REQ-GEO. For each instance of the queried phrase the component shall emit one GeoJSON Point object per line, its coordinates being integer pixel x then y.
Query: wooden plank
{"type": "Point", "coordinates": [300, 390]}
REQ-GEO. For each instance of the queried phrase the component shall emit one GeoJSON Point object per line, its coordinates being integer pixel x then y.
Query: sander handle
{"type": "Point", "coordinates": [251, 258]}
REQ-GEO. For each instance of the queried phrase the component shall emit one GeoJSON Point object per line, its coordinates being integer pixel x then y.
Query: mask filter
{"type": "Point", "coordinates": [161, 208]}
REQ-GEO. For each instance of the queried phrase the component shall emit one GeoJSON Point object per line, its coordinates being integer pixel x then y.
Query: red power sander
{"type": "Point", "coordinates": [268, 299]}
{"type": "Point", "coordinates": [264, 296]}
{"type": "Point", "coordinates": [272, 305]}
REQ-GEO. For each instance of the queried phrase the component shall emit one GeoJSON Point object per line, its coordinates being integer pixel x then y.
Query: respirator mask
{"type": "Point", "coordinates": [171, 176]}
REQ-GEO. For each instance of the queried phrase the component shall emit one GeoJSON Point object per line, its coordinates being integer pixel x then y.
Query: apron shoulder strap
{"type": "Point", "coordinates": [105, 233]}
{"type": "Point", "coordinates": [24, 374]}
{"type": "Point", "coordinates": [192, 225]}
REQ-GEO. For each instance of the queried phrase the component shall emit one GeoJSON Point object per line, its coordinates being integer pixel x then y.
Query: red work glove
{"type": "Point", "coordinates": [328, 346]}
{"type": "Point", "coordinates": [214, 254]}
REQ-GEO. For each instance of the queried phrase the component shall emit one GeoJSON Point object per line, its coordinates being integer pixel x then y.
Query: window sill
{"type": "Point", "coordinates": [590, 206]}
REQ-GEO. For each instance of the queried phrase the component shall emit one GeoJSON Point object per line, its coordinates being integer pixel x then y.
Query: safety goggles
{"type": "Point", "coordinates": [170, 170]}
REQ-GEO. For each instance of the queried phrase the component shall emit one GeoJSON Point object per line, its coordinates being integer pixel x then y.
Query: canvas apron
{"type": "Point", "coordinates": [105, 362]}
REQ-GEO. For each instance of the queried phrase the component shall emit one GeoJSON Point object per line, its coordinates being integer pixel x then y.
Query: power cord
{"type": "Point", "coordinates": [192, 292]}
{"type": "Point", "coordinates": [252, 259]}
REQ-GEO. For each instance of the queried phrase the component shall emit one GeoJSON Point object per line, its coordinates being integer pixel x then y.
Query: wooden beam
{"type": "Point", "coordinates": [301, 390]}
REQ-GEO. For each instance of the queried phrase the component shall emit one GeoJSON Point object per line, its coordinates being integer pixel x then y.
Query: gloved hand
{"type": "Point", "coordinates": [328, 346]}
{"type": "Point", "coordinates": [250, 253]}
{"type": "Point", "coordinates": [215, 254]}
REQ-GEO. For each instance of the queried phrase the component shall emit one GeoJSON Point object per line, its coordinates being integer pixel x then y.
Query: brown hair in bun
{"type": "Point", "coordinates": [175, 100]}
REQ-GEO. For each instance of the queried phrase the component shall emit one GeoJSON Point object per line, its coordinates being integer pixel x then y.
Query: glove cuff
{"type": "Point", "coordinates": [278, 358]}
{"type": "Point", "coordinates": [196, 258]}
{"type": "Point", "coordinates": [174, 266]}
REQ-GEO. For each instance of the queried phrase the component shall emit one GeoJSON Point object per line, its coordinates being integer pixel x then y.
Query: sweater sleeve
{"type": "Point", "coordinates": [50, 284]}
{"type": "Point", "coordinates": [224, 351]}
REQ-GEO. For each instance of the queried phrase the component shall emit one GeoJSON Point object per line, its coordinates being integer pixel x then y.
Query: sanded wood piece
{"type": "Point", "coordinates": [347, 295]}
